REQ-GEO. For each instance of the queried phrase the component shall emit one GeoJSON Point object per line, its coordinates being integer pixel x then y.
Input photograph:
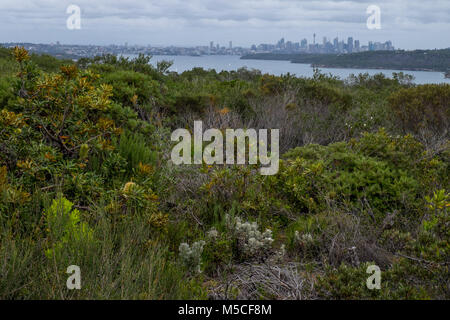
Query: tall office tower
{"type": "Point", "coordinates": [350, 44]}
{"type": "Point", "coordinates": [218, 47]}
{"type": "Point", "coordinates": [289, 45]}
{"type": "Point", "coordinates": [324, 41]}
{"type": "Point", "coordinates": [231, 45]}
{"type": "Point", "coordinates": [389, 45]}
{"type": "Point", "coordinates": [304, 44]}
{"type": "Point", "coordinates": [314, 35]}
{"type": "Point", "coordinates": [357, 45]}
{"type": "Point", "coordinates": [336, 43]}
{"type": "Point", "coordinates": [211, 45]}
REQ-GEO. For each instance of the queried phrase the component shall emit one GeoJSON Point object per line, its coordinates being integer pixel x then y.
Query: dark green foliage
{"type": "Point", "coordinates": [422, 110]}
{"type": "Point", "coordinates": [134, 149]}
{"type": "Point", "coordinates": [356, 176]}
{"type": "Point", "coordinates": [128, 84]}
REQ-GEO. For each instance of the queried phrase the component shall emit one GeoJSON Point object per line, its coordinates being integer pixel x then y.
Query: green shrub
{"type": "Point", "coordinates": [349, 283]}
{"type": "Point", "coordinates": [134, 148]}
{"type": "Point", "coordinates": [65, 227]}
{"type": "Point", "coordinates": [133, 89]}
{"type": "Point", "coordinates": [423, 110]}
{"type": "Point", "coordinates": [315, 175]}
{"type": "Point", "coordinates": [217, 254]}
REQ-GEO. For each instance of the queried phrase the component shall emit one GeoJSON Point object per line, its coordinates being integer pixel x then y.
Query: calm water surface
{"type": "Point", "coordinates": [228, 63]}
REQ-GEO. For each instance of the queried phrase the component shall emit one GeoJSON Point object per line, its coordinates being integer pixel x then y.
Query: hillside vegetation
{"type": "Point", "coordinates": [86, 179]}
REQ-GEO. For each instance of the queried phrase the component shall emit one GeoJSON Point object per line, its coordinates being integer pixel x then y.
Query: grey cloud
{"type": "Point", "coordinates": [212, 18]}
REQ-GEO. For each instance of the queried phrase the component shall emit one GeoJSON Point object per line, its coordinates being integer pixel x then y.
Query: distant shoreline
{"type": "Point", "coordinates": [371, 68]}
{"type": "Point", "coordinates": [418, 60]}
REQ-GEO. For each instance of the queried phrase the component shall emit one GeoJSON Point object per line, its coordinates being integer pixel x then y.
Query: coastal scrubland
{"type": "Point", "coordinates": [86, 179]}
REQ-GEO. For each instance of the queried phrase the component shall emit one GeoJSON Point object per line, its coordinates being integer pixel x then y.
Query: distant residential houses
{"type": "Point", "coordinates": [57, 49]}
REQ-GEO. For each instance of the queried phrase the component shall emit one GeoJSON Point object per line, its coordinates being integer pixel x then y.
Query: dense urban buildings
{"type": "Point", "coordinates": [327, 46]}
{"type": "Point", "coordinates": [336, 46]}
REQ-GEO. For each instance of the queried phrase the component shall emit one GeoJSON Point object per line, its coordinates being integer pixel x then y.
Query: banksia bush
{"type": "Point", "coordinates": [128, 187]}
{"type": "Point", "coordinates": [20, 54]}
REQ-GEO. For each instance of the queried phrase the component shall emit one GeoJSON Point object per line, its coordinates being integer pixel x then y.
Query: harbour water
{"type": "Point", "coordinates": [228, 63]}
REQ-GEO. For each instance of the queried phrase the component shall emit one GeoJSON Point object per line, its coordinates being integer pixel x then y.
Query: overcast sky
{"type": "Point", "coordinates": [410, 24]}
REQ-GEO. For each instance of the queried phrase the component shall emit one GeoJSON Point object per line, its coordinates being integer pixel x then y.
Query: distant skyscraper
{"type": "Point", "coordinates": [350, 44]}
{"type": "Point", "coordinates": [324, 41]}
{"type": "Point", "coordinates": [314, 36]}
{"type": "Point", "coordinates": [211, 45]}
{"type": "Point", "coordinates": [357, 46]}
{"type": "Point", "coordinates": [231, 45]}
{"type": "Point", "coordinates": [389, 45]}
{"type": "Point", "coordinates": [289, 45]}
{"type": "Point", "coordinates": [336, 43]}
{"type": "Point", "coordinates": [304, 43]}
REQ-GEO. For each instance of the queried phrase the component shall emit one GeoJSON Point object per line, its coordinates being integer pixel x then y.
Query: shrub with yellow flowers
{"type": "Point", "coordinates": [68, 108]}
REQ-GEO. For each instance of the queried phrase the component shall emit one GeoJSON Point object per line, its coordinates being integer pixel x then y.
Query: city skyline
{"type": "Point", "coordinates": [409, 24]}
{"type": "Point", "coordinates": [328, 46]}
{"type": "Point", "coordinates": [226, 44]}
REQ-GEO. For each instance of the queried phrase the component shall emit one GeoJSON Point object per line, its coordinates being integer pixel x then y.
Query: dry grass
{"type": "Point", "coordinates": [265, 281]}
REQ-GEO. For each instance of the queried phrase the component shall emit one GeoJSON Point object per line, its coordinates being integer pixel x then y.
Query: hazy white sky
{"type": "Point", "coordinates": [410, 24]}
